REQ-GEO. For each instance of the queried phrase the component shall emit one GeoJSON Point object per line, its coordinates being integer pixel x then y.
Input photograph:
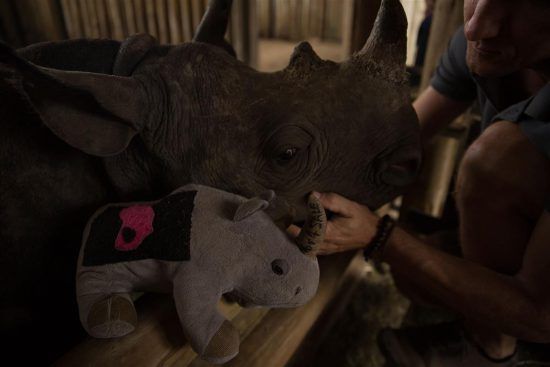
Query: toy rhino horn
{"type": "Point", "coordinates": [387, 43]}
{"type": "Point", "coordinates": [313, 232]}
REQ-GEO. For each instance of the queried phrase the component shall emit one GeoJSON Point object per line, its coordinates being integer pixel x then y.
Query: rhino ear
{"type": "Point", "coordinates": [132, 51]}
{"type": "Point", "coordinates": [95, 113]}
{"type": "Point", "coordinates": [267, 195]}
{"type": "Point", "coordinates": [249, 207]}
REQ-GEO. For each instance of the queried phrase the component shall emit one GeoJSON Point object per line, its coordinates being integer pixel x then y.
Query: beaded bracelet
{"type": "Point", "coordinates": [383, 232]}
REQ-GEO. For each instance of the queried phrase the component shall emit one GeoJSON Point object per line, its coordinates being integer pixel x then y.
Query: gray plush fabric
{"type": "Point", "coordinates": [250, 258]}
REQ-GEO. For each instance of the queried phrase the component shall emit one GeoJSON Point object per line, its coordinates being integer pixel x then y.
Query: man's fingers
{"type": "Point", "coordinates": [336, 203]}
{"type": "Point", "coordinates": [329, 248]}
{"type": "Point", "coordinates": [293, 230]}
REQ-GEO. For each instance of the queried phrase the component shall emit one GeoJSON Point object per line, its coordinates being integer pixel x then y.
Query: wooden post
{"type": "Point", "coordinates": [429, 194]}
{"type": "Point", "coordinates": [358, 19]}
{"type": "Point", "coordinates": [11, 29]}
{"type": "Point", "coordinates": [244, 30]}
{"type": "Point", "coordinates": [174, 22]}
{"type": "Point", "coordinates": [447, 17]}
{"type": "Point", "coordinates": [139, 13]}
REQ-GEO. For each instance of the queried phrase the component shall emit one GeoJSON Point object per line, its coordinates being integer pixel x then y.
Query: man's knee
{"type": "Point", "coordinates": [502, 166]}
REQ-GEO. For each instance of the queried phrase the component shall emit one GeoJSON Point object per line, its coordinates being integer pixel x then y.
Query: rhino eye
{"type": "Point", "coordinates": [287, 155]}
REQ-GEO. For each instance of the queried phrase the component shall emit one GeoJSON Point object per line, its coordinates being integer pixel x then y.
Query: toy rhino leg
{"type": "Point", "coordinates": [212, 336]}
{"type": "Point", "coordinates": [224, 345]}
{"type": "Point", "coordinates": [107, 316]}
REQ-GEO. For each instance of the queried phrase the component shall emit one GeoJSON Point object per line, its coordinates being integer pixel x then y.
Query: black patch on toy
{"type": "Point", "coordinates": [170, 239]}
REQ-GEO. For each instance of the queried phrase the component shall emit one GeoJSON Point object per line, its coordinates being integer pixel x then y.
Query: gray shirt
{"type": "Point", "coordinates": [496, 100]}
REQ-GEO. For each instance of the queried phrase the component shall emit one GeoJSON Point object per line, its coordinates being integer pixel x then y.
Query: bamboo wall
{"type": "Point", "coordinates": [23, 22]}
{"type": "Point", "coordinates": [301, 19]}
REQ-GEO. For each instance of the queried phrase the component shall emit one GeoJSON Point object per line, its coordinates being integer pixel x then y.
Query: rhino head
{"type": "Point", "coordinates": [194, 113]}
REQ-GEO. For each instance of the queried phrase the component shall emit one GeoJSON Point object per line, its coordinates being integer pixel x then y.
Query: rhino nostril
{"type": "Point", "coordinates": [279, 266]}
{"type": "Point", "coordinates": [298, 290]}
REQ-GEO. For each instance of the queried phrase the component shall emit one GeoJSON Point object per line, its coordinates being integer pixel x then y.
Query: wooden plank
{"type": "Point", "coordinates": [84, 18]}
{"type": "Point", "coordinates": [51, 20]}
{"type": "Point", "coordinates": [447, 17]}
{"type": "Point", "coordinates": [244, 31]}
{"type": "Point", "coordinates": [101, 11]}
{"type": "Point", "coordinates": [140, 17]}
{"type": "Point", "coordinates": [358, 19]}
{"type": "Point", "coordinates": [305, 18]}
{"type": "Point", "coordinates": [282, 19]}
{"type": "Point", "coordinates": [174, 20]}
{"type": "Point", "coordinates": [238, 30]}
{"type": "Point", "coordinates": [317, 15]}
{"type": "Point", "coordinates": [115, 20]}
{"type": "Point", "coordinates": [269, 337]}
{"type": "Point", "coordinates": [151, 18]}
{"type": "Point", "coordinates": [263, 14]}
{"type": "Point", "coordinates": [251, 22]}
{"type": "Point", "coordinates": [129, 17]}
{"type": "Point", "coordinates": [11, 28]}
{"type": "Point", "coordinates": [428, 195]}
{"type": "Point", "coordinates": [295, 20]}
{"type": "Point", "coordinates": [94, 21]}
{"type": "Point", "coordinates": [309, 347]}
{"type": "Point", "coordinates": [280, 333]}
{"type": "Point", "coordinates": [186, 20]}
{"type": "Point", "coordinates": [197, 12]}
{"type": "Point", "coordinates": [162, 21]}
{"type": "Point", "coordinates": [332, 21]}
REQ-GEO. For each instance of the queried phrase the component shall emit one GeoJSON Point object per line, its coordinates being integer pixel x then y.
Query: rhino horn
{"type": "Point", "coordinates": [303, 59]}
{"type": "Point", "coordinates": [313, 232]}
{"type": "Point", "coordinates": [387, 43]}
{"type": "Point", "coordinates": [213, 25]}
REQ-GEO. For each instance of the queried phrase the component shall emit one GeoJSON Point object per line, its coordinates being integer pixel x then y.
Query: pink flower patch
{"type": "Point", "coordinates": [137, 224]}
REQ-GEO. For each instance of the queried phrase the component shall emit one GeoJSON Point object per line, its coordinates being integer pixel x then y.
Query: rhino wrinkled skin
{"type": "Point", "coordinates": [86, 122]}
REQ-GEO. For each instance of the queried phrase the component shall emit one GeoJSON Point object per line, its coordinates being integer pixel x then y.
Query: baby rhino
{"type": "Point", "coordinates": [198, 243]}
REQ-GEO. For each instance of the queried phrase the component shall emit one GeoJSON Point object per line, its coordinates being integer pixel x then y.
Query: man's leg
{"type": "Point", "coordinates": [502, 184]}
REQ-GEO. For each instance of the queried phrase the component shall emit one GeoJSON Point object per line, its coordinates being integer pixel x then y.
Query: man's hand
{"type": "Point", "coordinates": [352, 226]}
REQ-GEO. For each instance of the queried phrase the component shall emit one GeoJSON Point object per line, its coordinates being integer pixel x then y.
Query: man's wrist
{"type": "Point", "coordinates": [384, 230]}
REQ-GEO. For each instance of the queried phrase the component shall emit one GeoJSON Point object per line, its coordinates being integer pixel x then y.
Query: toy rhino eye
{"type": "Point", "coordinates": [287, 155]}
{"type": "Point", "coordinates": [279, 266]}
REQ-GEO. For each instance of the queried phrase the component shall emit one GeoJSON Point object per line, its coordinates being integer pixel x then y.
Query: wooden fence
{"type": "Point", "coordinates": [23, 22]}
{"type": "Point", "coordinates": [301, 19]}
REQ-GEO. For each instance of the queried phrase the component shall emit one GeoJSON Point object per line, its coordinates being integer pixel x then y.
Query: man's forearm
{"type": "Point", "coordinates": [435, 111]}
{"type": "Point", "coordinates": [469, 289]}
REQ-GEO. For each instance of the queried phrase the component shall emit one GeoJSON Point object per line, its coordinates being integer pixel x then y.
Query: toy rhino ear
{"type": "Point", "coordinates": [251, 206]}
{"type": "Point", "coordinates": [98, 114]}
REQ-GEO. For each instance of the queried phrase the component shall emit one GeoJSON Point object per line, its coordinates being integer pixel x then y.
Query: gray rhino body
{"type": "Point", "coordinates": [85, 122]}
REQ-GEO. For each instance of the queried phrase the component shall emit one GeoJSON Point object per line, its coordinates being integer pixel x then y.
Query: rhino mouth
{"type": "Point", "coordinates": [240, 298]}
{"type": "Point", "coordinates": [247, 301]}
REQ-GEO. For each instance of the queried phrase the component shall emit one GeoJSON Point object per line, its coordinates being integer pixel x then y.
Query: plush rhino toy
{"type": "Point", "coordinates": [198, 243]}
